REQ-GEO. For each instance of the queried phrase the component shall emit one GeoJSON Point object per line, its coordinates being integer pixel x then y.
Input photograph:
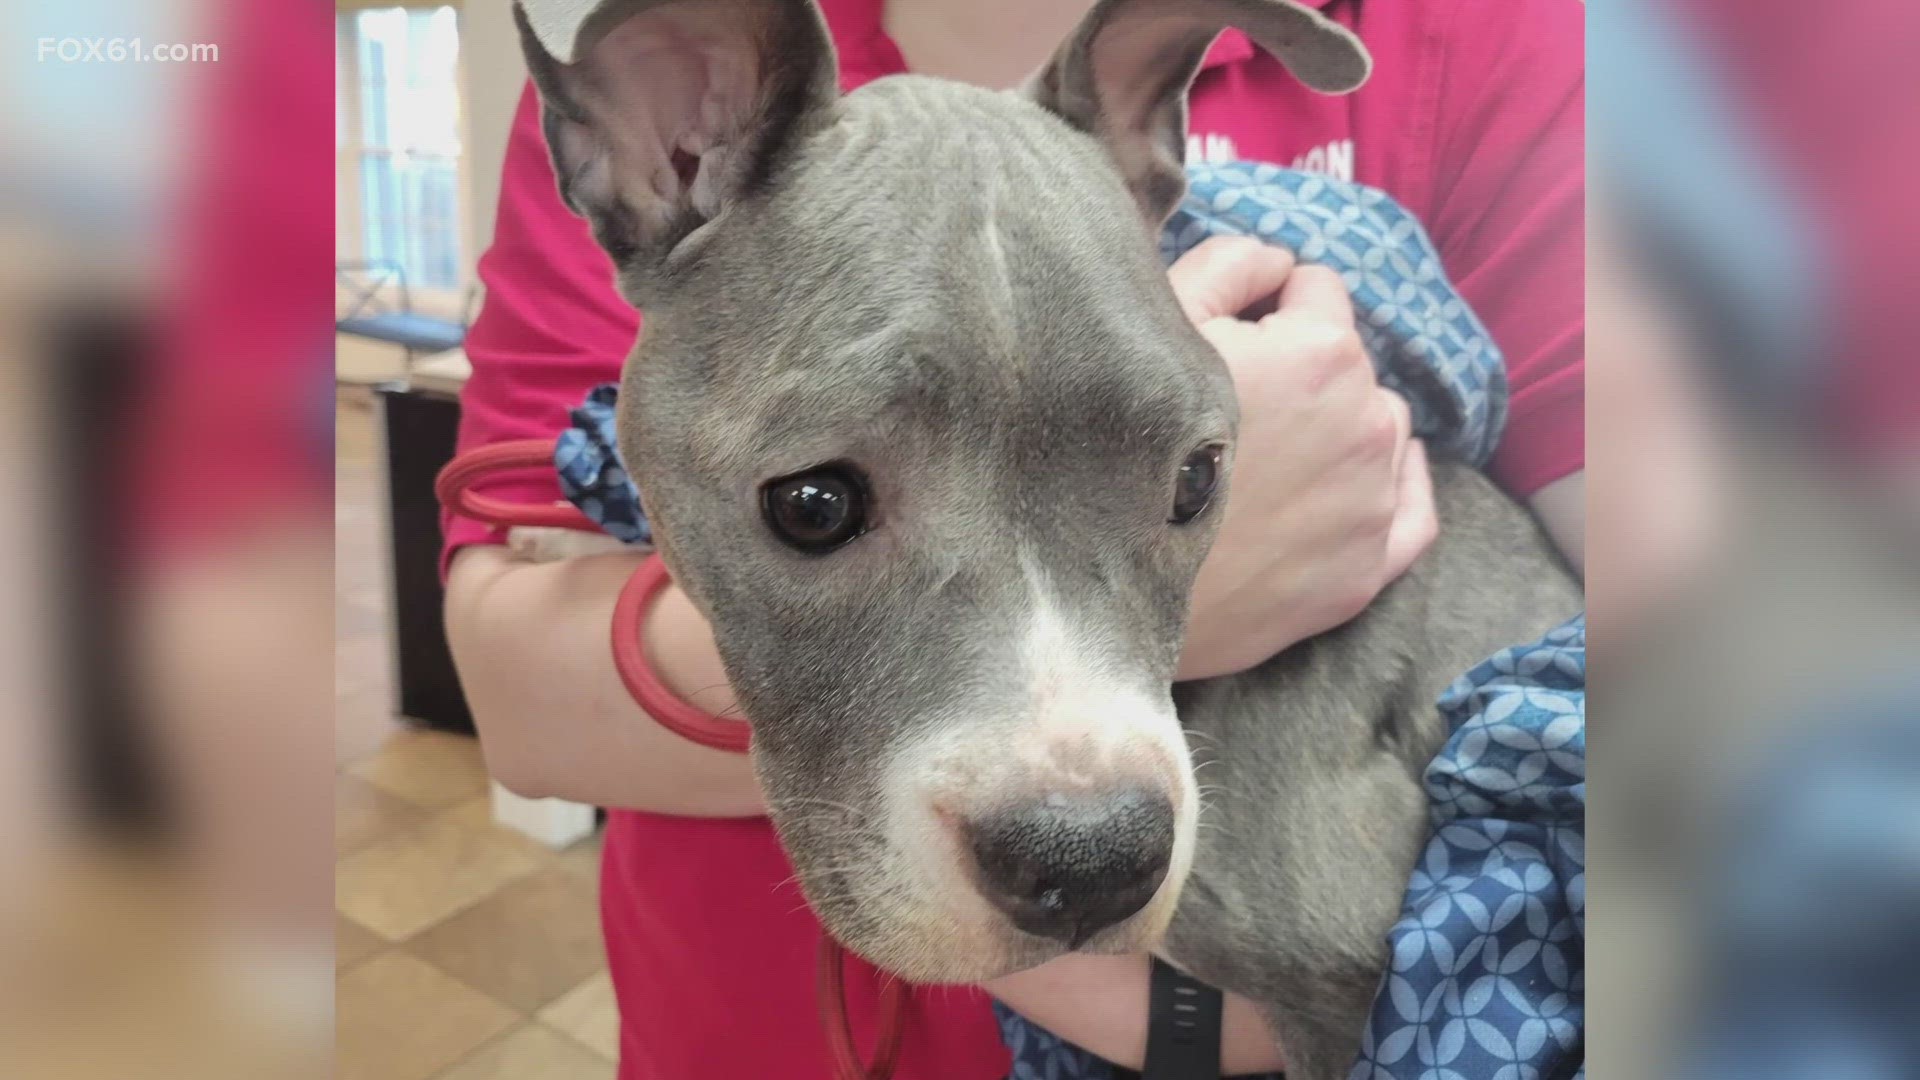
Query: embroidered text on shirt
{"type": "Point", "coordinates": [1207, 149]}
{"type": "Point", "coordinates": [1334, 159]}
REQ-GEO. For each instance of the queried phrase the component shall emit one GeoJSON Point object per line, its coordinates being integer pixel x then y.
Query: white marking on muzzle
{"type": "Point", "coordinates": [1076, 718]}
{"type": "Point", "coordinates": [1079, 693]}
{"type": "Point", "coordinates": [1096, 724]}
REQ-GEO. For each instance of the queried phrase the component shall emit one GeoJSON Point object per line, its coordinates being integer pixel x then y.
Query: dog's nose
{"type": "Point", "coordinates": [1068, 866]}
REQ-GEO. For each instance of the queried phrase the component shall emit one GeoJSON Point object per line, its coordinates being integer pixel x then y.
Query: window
{"type": "Point", "coordinates": [399, 108]}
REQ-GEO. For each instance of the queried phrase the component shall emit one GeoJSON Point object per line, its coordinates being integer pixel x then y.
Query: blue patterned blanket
{"type": "Point", "coordinates": [1486, 980]}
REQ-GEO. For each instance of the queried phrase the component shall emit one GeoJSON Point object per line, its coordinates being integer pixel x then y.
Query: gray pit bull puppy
{"type": "Point", "coordinates": [920, 427]}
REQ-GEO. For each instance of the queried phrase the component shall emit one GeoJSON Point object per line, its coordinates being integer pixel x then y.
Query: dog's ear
{"type": "Point", "coordinates": [1123, 75]}
{"type": "Point", "coordinates": [661, 113]}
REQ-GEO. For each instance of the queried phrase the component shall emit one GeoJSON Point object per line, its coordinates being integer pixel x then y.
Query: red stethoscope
{"type": "Point", "coordinates": [455, 490]}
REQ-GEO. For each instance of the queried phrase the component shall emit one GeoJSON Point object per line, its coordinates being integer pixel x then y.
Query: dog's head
{"type": "Point", "coordinates": [920, 427]}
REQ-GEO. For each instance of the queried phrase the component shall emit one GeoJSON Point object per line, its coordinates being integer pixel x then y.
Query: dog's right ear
{"type": "Point", "coordinates": [1122, 76]}
{"type": "Point", "coordinates": [661, 113]}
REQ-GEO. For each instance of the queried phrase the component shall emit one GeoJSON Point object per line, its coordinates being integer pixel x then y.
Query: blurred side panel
{"type": "Point", "coordinates": [1755, 539]}
{"type": "Point", "coordinates": [165, 287]}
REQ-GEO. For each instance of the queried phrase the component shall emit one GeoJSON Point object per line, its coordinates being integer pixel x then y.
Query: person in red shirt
{"type": "Point", "coordinates": [1473, 120]}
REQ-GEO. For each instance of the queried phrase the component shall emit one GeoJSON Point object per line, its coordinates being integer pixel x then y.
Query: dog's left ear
{"type": "Point", "coordinates": [1123, 76]}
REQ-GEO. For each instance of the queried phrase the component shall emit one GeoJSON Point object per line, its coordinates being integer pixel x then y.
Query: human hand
{"type": "Point", "coordinates": [1331, 496]}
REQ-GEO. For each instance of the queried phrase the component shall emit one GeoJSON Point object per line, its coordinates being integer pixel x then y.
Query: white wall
{"type": "Point", "coordinates": [494, 73]}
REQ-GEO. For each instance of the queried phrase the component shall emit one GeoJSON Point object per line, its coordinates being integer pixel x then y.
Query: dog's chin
{"type": "Point", "coordinates": [973, 946]}
{"type": "Point", "coordinates": [988, 957]}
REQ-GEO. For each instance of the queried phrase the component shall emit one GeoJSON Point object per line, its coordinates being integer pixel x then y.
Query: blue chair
{"type": "Point", "coordinates": [370, 314]}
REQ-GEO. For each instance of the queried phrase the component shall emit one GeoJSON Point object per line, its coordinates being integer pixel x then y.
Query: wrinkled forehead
{"type": "Point", "coordinates": [920, 184]}
{"type": "Point", "coordinates": [947, 262]}
{"type": "Point", "coordinates": [929, 385]}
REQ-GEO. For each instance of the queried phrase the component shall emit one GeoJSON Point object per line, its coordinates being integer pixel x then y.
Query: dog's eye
{"type": "Point", "coordinates": [819, 510]}
{"type": "Point", "coordinates": [1193, 488]}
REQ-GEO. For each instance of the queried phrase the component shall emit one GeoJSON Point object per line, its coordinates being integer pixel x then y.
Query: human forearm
{"type": "Point", "coordinates": [530, 641]}
{"type": "Point", "coordinates": [1562, 508]}
{"type": "Point", "coordinates": [1099, 1003]}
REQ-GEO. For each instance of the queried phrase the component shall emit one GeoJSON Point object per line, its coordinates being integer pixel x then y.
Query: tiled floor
{"type": "Point", "coordinates": [463, 951]}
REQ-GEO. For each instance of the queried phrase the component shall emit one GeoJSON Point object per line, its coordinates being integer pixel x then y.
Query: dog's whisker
{"type": "Point", "coordinates": [850, 868]}
{"type": "Point", "coordinates": [693, 698]}
{"type": "Point", "coordinates": [815, 815]}
{"type": "Point", "coordinates": [815, 800]}
{"type": "Point", "coordinates": [853, 897]}
{"type": "Point", "coordinates": [848, 828]}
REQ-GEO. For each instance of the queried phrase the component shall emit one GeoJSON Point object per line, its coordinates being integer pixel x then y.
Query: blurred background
{"type": "Point", "coordinates": [221, 400]}
{"type": "Point", "coordinates": [1754, 531]}
{"type": "Point", "coordinates": [162, 906]}
{"type": "Point", "coordinates": [237, 241]}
